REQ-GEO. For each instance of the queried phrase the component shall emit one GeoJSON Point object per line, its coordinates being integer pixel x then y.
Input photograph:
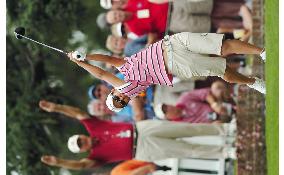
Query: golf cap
{"type": "Point", "coordinates": [73, 144]}
{"type": "Point", "coordinates": [110, 105]}
{"type": "Point", "coordinates": [116, 29]}
{"type": "Point", "coordinates": [101, 21]}
{"type": "Point", "coordinates": [91, 91]}
{"type": "Point", "coordinates": [106, 4]}
{"type": "Point", "coordinates": [159, 112]}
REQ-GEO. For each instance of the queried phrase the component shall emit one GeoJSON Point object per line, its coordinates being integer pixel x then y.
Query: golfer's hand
{"type": "Point", "coordinates": [70, 55]}
{"type": "Point", "coordinates": [47, 106]}
{"type": "Point", "coordinates": [49, 160]}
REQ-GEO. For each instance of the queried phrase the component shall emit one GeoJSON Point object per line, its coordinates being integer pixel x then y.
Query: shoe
{"type": "Point", "coordinates": [230, 129]}
{"type": "Point", "coordinates": [230, 140]}
{"type": "Point", "coordinates": [263, 55]}
{"type": "Point", "coordinates": [258, 85]}
{"type": "Point", "coordinates": [230, 152]}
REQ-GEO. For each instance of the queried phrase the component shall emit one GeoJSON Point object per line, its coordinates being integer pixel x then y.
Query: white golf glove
{"type": "Point", "coordinates": [78, 56]}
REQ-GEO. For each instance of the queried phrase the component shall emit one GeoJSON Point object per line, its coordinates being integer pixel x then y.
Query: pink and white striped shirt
{"type": "Point", "coordinates": [143, 69]}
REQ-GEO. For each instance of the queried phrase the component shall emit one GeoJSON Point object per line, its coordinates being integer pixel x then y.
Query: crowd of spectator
{"type": "Point", "coordinates": [134, 25]}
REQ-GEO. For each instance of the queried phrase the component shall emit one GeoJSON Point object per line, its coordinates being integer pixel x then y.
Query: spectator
{"type": "Point", "coordinates": [99, 91]}
{"type": "Point", "coordinates": [212, 16]}
{"type": "Point", "coordinates": [197, 106]}
{"type": "Point", "coordinates": [156, 139]}
{"type": "Point", "coordinates": [121, 45]}
{"type": "Point", "coordinates": [118, 30]}
{"type": "Point", "coordinates": [113, 4]}
{"type": "Point", "coordinates": [102, 22]}
{"type": "Point", "coordinates": [141, 17]}
{"type": "Point", "coordinates": [98, 108]}
{"type": "Point", "coordinates": [135, 111]}
{"type": "Point", "coordinates": [116, 44]}
{"type": "Point", "coordinates": [194, 16]}
{"type": "Point", "coordinates": [136, 45]}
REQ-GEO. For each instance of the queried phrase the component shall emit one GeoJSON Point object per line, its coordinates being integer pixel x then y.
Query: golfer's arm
{"type": "Point", "coordinates": [101, 74]}
{"type": "Point", "coordinates": [117, 62]}
{"type": "Point", "coordinates": [75, 164]}
{"type": "Point", "coordinates": [137, 106]}
{"type": "Point", "coordinates": [71, 112]}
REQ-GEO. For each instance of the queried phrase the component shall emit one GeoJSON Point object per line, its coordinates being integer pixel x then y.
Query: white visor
{"type": "Point", "coordinates": [110, 105]}
{"type": "Point", "coordinates": [118, 29]}
{"type": "Point", "coordinates": [106, 4]}
{"type": "Point", "coordinates": [159, 112]}
{"type": "Point", "coordinates": [73, 144]}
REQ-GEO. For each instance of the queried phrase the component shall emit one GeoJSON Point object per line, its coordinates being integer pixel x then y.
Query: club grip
{"type": "Point", "coordinates": [163, 168]}
{"type": "Point", "coordinates": [79, 56]}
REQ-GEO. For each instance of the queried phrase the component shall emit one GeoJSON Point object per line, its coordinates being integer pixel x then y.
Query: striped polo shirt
{"type": "Point", "coordinates": [143, 69]}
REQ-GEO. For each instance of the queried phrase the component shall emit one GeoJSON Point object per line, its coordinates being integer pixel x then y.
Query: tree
{"type": "Point", "coordinates": [32, 73]}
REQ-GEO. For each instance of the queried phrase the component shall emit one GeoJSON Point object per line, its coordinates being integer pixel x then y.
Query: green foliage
{"type": "Point", "coordinates": [25, 131]}
{"type": "Point", "coordinates": [35, 73]}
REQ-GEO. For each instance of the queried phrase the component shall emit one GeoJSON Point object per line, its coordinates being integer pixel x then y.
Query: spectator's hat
{"type": "Point", "coordinates": [101, 21]}
{"type": "Point", "coordinates": [73, 144]}
{"type": "Point", "coordinates": [110, 105]}
{"type": "Point", "coordinates": [159, 111]}
{"type": "Point", "coordinates": [91, 91]}
{"type": "Point", "coordinates": [116, 29]}
{"type": "Point", "coordinates": [106, 4]}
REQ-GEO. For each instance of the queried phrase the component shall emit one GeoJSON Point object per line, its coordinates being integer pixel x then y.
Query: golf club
{"type": "Point", "coordinates": [20, 33]}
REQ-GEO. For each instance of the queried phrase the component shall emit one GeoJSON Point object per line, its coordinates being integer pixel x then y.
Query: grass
{"type": "Point", "coordinates": [272, 81]}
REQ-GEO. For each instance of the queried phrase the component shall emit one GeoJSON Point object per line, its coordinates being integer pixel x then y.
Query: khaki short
{"type": "Point", "coordinates": [188, 54]}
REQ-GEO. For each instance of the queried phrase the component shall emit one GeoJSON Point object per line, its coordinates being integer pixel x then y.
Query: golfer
{"type": "Point", "coordinates": [184, 55]}
{"type": "Point", "coordinates": [147, 140]}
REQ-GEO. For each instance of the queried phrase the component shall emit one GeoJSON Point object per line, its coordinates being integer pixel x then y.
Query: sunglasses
{"type": "Point", "coordinates": [118, 100]}
{"type": "Point", "coordinates": [79, 142]}
{"type": "Point", "coordinates": [164, 108]}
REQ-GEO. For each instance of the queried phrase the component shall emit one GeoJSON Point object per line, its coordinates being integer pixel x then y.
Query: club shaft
{"type": "Point", "coordinates": [42, 44]}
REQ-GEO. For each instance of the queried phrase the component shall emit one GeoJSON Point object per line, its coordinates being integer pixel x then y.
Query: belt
{"type": "Point", "coordinates": [135, 138]}
{"type": "Point", "coordinates": [169, 50]}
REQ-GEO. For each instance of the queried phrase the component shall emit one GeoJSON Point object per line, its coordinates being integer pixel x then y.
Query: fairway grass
{"type": "Point", "coordinates": [272, 81]}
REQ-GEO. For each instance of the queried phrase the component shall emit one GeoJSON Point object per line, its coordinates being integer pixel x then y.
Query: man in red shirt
{"type": "Point", "coordinates": [141, 17]}
{"type": "Point", "coordinates": [146, 140]}
{"type": "Point", "coordinates": [196, 16]}
{"type": "Point", "coordinates": [103, 137]}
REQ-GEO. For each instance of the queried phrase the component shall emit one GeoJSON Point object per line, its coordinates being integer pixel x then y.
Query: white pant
{"type": "Point", "coordinates": [158, 140]}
